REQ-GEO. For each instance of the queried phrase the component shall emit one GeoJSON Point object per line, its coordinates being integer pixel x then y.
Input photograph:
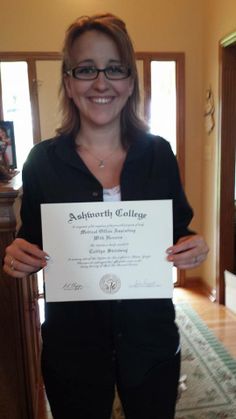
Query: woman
{"type": "Point", "coordinates": [103, 152]}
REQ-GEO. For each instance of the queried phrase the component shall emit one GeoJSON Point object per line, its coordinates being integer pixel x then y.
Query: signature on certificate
{"type": "Point", "coordinates": [72, 286]}
{"type": "Point", "coordinates": [145, 284]}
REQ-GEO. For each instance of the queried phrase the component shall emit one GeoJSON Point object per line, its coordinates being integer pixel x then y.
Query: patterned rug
{"type": "Point", "coordinates": [210, 370]}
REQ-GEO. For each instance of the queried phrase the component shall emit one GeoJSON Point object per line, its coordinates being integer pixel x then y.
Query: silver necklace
{"type": "Point", "coordinates": [101, 162]}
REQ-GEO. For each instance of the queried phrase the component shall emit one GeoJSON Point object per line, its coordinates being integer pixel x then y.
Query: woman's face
{"type": "Point", "coordinates": [99, 101]}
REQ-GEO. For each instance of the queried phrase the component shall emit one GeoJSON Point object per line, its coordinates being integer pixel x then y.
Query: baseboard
{"type": "Point", "coordinates": [205, 288]}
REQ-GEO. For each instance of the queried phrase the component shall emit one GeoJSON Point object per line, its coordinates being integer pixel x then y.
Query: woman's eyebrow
{"type": "Point", "coordinates": [85, 62]}
{"type": "Point", "coordinates": [89, 61]}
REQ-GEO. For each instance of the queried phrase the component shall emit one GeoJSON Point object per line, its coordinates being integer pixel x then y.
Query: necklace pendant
{"type": "Point", "coordinates": [101, 164]}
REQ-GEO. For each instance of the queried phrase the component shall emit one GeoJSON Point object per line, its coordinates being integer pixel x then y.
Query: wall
{"type": "Point", "coordinates": [219, 22]}
{"type": "Point", "coordinates": [154, 25]}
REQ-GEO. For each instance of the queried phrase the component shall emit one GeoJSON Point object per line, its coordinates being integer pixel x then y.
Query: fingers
{"type": "Point", "coordinates": [189, 262]}
{"type": "Point", "coordinates": [188, 253]}
{"type": "Point", "coordinates": [23, 258]}
{"type": "Point", "coordinates": [18, 269]}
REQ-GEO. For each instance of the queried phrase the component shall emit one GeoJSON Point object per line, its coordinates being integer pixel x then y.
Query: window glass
{"type": "Point", "coordinates": [163, 100]}
{"type": "Point", "coordinates": [16, 106]}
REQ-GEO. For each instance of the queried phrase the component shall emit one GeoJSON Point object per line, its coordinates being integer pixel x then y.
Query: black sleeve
{"type": "Point", "coordinates": [30, 229]}
{"type": "Point", "coordinates": [182, 212]}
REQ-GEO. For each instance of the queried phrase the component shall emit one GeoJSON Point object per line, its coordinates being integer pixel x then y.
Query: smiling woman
{"type": "Point", "coordinates": [103, 145]}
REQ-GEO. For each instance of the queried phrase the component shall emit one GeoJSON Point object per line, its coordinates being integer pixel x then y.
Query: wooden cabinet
{"type": "Point", "coordinates": [235, 235]}
{"type": "Point", "coordinates": [19, 324]}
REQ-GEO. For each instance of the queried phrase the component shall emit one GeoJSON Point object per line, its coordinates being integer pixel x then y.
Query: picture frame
{"type": "Point", "coordinates": [7, 146]}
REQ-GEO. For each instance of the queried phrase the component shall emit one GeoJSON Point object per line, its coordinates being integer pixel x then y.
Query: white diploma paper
{"type": "Point", "coordinates": [107, 250]}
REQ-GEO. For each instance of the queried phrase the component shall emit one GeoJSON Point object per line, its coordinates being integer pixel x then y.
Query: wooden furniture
{"type": "Point", "coordinates": [235, 234]}
{"type": "Point", "coordinates": [19, 323]}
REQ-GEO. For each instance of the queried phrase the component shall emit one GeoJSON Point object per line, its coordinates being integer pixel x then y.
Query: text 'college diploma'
{"type": "Point", "coordinates": [107, 250]}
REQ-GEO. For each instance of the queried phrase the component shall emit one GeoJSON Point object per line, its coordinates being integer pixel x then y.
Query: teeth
{"type": "Point", "coordinates": [101, 100]}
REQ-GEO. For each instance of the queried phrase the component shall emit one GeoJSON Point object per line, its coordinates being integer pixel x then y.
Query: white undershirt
{"type": "Point", "coordinates": [112, 194]}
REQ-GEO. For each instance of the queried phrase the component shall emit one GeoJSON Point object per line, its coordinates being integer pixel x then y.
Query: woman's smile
{"type": "Point", "coordinates": [101, 100]}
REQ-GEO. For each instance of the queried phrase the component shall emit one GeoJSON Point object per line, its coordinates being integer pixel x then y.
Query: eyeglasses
{"type": "Point", "coordinates": [113, 72]}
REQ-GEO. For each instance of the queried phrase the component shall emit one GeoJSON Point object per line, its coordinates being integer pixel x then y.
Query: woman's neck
{"type": "Point", "coordinates": [103, 139]}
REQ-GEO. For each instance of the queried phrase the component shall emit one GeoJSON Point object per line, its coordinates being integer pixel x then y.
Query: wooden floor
{"type": "Point", "coordinates": [218, 318]}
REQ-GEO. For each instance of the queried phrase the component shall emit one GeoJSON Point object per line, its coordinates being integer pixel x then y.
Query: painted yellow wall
{"type": "Point", "coordinates": [154, 25]}
{"type": "Point", "coordinates": [220, 20]}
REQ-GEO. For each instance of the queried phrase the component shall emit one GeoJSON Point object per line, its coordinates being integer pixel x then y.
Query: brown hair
{"type": "Point", "coordinates": [114, 27]}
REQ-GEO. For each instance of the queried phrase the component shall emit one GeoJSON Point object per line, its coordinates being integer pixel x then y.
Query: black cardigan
{"type": "Point", "coordinates": [55, 173]}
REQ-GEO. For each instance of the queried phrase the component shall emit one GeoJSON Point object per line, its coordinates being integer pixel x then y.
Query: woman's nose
{"type": "Point", "coordinates": [101, 82]}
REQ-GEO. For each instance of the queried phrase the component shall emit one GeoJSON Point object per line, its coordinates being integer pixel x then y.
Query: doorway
{"type": "Point", "coordinates": [162, 88]}
{"type": "Point", "coordinates": [226, 192]}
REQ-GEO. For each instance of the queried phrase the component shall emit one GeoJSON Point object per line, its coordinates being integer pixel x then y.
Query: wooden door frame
{"type": "Point", "coordinates": [226, 163]}
{"type": "Point", "coordinates": [179, 59]}
{"type": "Point", "coordinates": [30, 58]}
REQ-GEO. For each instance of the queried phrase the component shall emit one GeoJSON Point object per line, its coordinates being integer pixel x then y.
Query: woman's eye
{"type": "Point", "coordinates": [85, 70]}
{"type": "Point", "coordinates": [115, 70]}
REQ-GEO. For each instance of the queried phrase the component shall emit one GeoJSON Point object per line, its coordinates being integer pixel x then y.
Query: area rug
{"type": "Point", "coordinates": [210, 370]}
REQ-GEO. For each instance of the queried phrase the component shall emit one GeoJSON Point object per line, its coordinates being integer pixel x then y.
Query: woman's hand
{"type": "Point", "coordinates": [23, 258]}
{"type": "Point", "coordinates": [188, 252]}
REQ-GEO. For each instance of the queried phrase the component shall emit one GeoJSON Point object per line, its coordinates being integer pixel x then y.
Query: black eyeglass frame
{"type": "Point", "coordinates": [71, 72]}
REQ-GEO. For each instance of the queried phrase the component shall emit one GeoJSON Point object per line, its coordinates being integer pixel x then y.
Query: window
{"type": "Point", "coordinates": [161, 77]}
{"type": "Point", "coordinates": [163, 100]}
{"type": "Point", "coordinates": [22, 92]}
{"type": "Point", "coordinates": [16, 105]}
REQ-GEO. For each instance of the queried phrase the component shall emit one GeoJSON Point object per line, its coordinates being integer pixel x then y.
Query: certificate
{"type": "Point", "coordinates": [107, 250]}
